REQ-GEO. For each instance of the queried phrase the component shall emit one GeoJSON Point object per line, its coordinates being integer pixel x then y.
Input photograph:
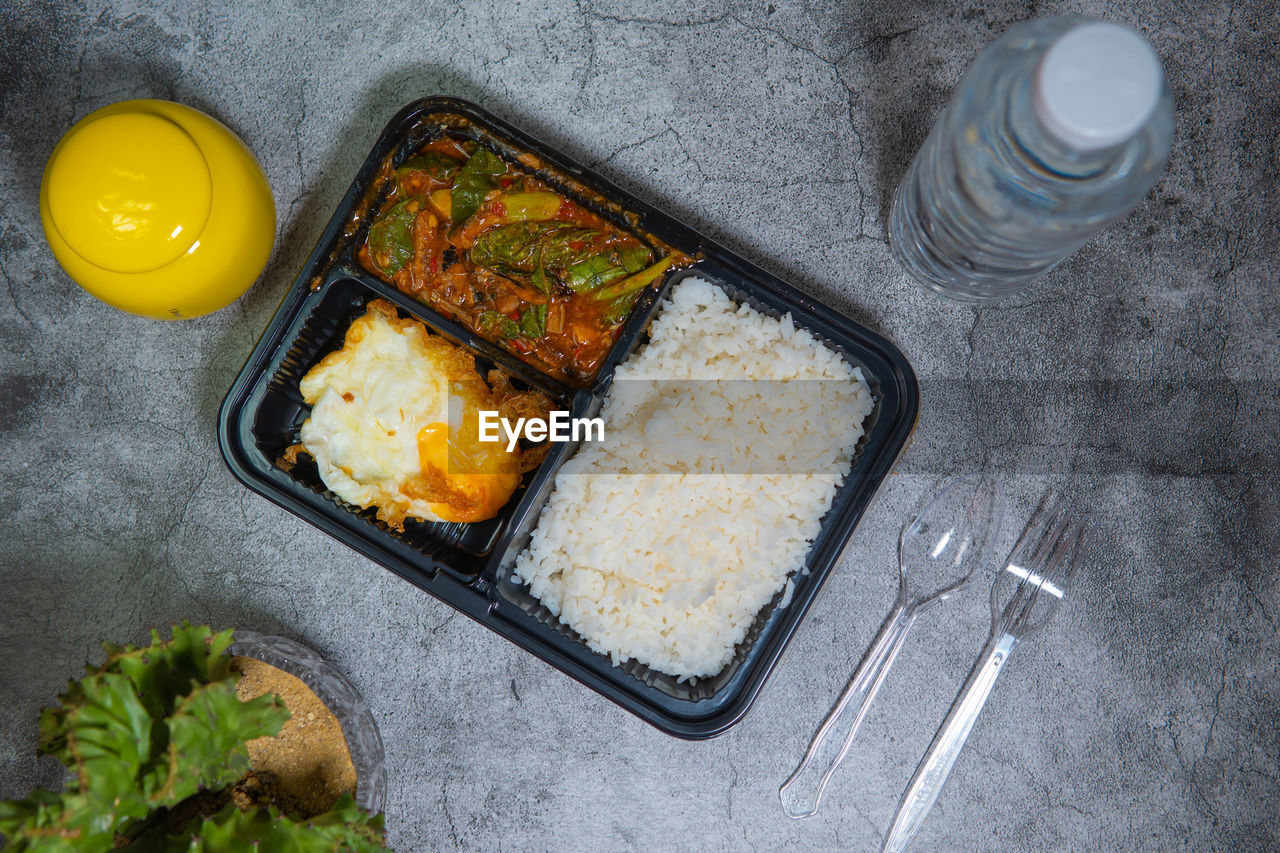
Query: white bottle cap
{"type": "Point", "coordinates": [1096, 85]}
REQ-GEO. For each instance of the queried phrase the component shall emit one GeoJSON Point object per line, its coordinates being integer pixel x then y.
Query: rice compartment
{"type": "Point", "coordinates": [723, 453]}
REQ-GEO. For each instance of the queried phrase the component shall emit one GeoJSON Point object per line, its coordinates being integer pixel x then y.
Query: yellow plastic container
{"type": "Point", "coordinates": [157, 209]}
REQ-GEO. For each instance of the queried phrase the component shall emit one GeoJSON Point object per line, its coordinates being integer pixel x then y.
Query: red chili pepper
{"type": "Point", "coordinates": [499, 208]}
{"type": "Point", "coordinates": [506, 182]}
{"type": "Point", "coordinates": [520, 346]}
{"type": "Point", "coordinates": [577, 245]}
{"type": "Point", "coordinates": [513, 315]}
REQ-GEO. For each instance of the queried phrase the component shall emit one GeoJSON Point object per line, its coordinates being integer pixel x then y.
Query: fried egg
{"type": "Point", "coordinates": [384, 433]}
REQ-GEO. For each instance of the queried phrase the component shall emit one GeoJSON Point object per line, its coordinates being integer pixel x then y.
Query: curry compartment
{"type": "Point", "coordinates": [469, 566]}
{"type": "Point", "coordinates": [527, 258]}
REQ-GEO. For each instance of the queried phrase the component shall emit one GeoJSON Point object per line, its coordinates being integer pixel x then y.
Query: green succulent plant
{"type": "Point", "coordinates": [151, 730]}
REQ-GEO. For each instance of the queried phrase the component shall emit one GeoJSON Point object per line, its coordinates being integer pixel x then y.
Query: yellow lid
{"type": "Point", "coordinates": [128, 209]}
{"type": "Point", "coordinates": [129, 192]}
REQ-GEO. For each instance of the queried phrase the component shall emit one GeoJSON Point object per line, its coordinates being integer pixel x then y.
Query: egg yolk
{"type": "Point", "coordinates": [485, 493]}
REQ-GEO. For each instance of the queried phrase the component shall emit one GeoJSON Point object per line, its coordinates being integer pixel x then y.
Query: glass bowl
{"type": "Point", "coordinates": [339, 696]}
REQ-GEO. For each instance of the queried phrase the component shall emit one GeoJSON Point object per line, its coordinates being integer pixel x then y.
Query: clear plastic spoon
{"type": "Point", "coordinates": [942, 548]}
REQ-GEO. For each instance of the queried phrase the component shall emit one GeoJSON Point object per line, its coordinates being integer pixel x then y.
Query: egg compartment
{"type": "Point", "coordinates": [471, 569]}
{"type": "Point", "coordinates": [280, 412]}
{"type": "Point", "coordinates": [564, 178]}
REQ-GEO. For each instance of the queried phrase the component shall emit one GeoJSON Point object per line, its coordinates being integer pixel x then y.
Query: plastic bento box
{"type": "Point", "coordinates": [469, 566]}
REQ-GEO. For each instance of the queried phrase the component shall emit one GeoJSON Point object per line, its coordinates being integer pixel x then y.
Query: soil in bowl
{"type": "Point", "coordinates": [308, 764]}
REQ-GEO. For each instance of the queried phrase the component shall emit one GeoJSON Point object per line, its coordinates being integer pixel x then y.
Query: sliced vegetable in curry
{"type": "Point", "coordinates": [514, 261]}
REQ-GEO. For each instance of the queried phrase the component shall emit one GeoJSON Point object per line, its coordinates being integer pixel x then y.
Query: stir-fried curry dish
{"type": "Point", "coordinates": [509, 258]}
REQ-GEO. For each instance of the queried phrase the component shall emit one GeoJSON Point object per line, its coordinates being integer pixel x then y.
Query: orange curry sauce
{"type": "Point", "coordinates": [572, 330]}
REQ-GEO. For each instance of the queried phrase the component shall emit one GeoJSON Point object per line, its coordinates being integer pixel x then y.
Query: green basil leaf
{"type": "Point", "coordinates": [565, 247]}
{"type": "Point", "coordinates": [508, 248]}
{"type": "Point", "coordinates": [391, 236]}
{"type": "Point", "coordinates": [540, 280]}
{"type": "Point", "coordinates": [541, 252]}
{"type": "Point", "coordinates": [634, 258]}
{"type": "Point", "coordinates": [519, 250]}
{"type": "Point", "coordinates": [437, 166]}
{"type": "Point", "coordinates": [620, 308]}
{"type": "Point", "coordinates": [533, 322]}
{"type": "Point", "coordinates": [473, 183]}
{"type": "Point", "coordinates": [606, 265]}
{"type": "Point", "coordinates": [492, 321]}
{"type": "Point", "coordinates": [595, 271]}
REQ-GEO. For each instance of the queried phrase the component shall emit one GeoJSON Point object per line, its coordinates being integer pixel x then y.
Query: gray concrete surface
{"type": "Point", "coordinates": [1145, 370]}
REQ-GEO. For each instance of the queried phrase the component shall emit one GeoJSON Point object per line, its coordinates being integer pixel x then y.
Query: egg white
{"type": "Point", "coordinates": [371, 401]}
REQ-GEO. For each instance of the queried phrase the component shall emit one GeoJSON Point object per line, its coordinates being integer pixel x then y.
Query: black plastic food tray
{"type": "Point", "coordinates": [469, 566]}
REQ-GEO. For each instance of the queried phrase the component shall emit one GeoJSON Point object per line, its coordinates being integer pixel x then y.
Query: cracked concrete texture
{"type": "Point", "coordinates": [1144, 370]}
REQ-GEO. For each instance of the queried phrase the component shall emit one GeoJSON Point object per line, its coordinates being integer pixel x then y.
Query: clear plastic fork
{"type": "Point", "coordinates": [1023, 598]}
{"type": "Point", "coordinates": [938, 552]}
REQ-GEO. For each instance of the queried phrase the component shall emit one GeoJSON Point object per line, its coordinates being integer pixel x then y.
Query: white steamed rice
{"type": "Point", "coordinates": [671, 568]}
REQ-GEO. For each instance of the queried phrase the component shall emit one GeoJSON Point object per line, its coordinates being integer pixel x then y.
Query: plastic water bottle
{"type": "Point", "coordinates": [1059, 128]}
